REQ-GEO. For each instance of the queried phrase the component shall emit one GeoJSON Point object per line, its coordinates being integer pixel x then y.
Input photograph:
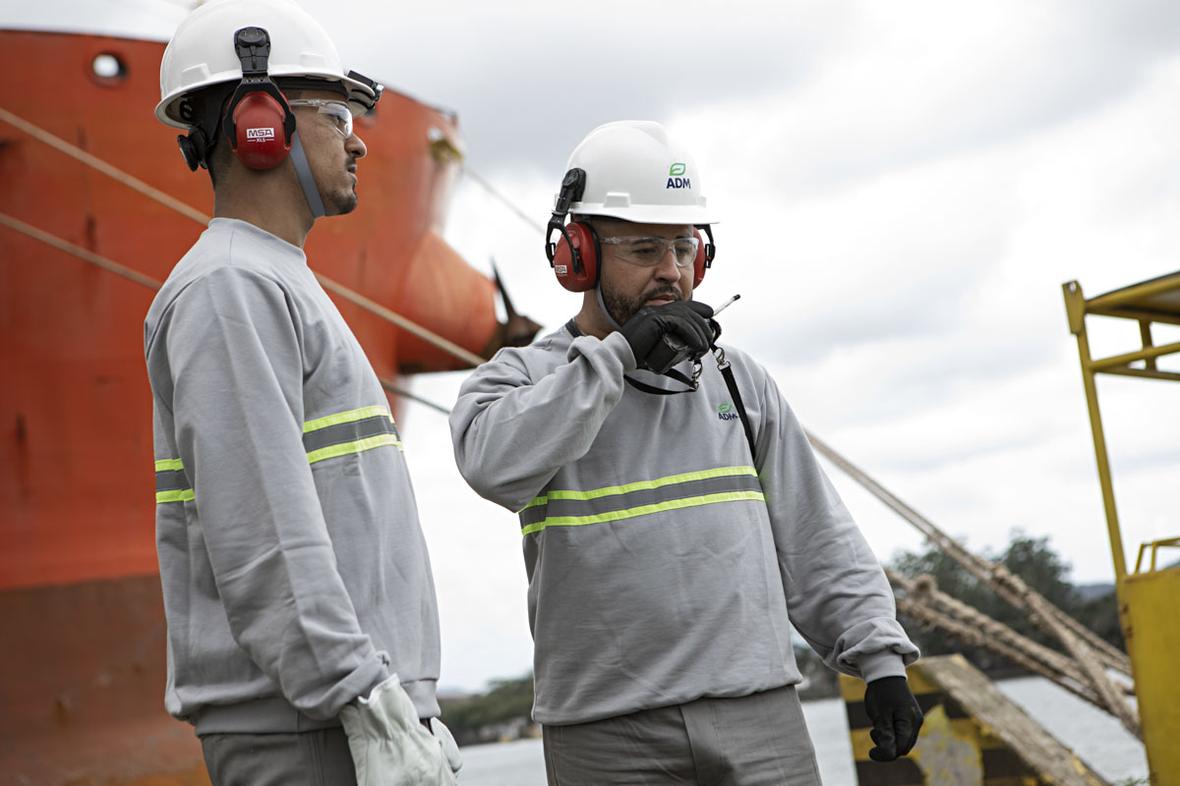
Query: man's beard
{"type": "Point", "coordinates": [343, 199]}
{"type": "Point", "coordinates": [341, 202]}
{"type": "Point", "coordinates": [621, 308]}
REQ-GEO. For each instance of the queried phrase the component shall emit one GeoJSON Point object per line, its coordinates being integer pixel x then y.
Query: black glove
{"type": "Point", "coordinates": [895, 715]}
{"type": "Point", "coordinates": [662, 336]}
{"type": "Point", "coordinates": [716, 328]}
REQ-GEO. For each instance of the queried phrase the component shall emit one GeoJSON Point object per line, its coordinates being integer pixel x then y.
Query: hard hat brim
{"type": "Point", "coordinates": [695, 215]}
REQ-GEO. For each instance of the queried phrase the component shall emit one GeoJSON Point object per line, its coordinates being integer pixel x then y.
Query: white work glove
{"type": "Point", "coordinates": [446, 741]}
{"type": "Point", "coordinates": [390, 747]}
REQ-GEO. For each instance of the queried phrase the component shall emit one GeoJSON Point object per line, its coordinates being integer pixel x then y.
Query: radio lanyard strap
{"type": "Point", "coordinates": [731, 383]}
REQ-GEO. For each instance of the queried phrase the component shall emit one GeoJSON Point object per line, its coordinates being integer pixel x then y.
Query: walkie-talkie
{"type": "Point", "coordinates": [672, 350]}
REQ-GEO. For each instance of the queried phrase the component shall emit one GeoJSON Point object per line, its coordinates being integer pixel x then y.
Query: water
{"type": "Point", "coordinates": [1099, 739]}
{"type": "Point", "coordinates": [518, 763]}
{"type": "Point", "coordinates": [1095, 736]}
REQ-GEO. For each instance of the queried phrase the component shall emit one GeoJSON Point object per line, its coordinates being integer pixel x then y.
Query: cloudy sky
{"type": "Point", "coordinates": [904, 187]}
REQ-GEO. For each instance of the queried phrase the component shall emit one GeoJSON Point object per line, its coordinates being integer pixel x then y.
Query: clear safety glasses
{"type": "Point", "coordinates": [337, 111]}
{"type": "Point", "coordinates": [650, 251]}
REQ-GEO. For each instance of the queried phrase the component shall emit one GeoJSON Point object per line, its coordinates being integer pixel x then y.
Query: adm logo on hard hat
{"type": "Point", "coordinates": [674, 177]}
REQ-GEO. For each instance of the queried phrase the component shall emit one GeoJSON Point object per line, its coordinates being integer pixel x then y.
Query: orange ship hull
{"type": "Point", "coordinates": [82, 666]}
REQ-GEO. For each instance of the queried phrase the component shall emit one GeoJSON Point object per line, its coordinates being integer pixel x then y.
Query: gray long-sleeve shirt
{"type": "Point", "coordinates": [294, 570]}
{"type": "Point", "coordinates": [663, 560]}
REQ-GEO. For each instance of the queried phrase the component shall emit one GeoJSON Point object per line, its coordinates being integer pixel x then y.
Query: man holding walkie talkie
{"type": "Point", "coordinates": [675, 519]}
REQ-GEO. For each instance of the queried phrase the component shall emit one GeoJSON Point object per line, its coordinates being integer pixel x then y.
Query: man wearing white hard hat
{"type": "Point", "coordinates": [303, 639]}
{"type": "Point", "coordinates": [675, 519]}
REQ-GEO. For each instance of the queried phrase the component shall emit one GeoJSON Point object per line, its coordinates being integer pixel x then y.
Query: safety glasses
{"type": "Point", "coordinates": [650, 251]}
{"type": "Point", "coordinates": [337, 111]}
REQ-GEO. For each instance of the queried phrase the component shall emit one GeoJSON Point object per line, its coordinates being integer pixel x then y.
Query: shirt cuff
{"type": "Point", "coordinates": [880, 664]}
{"type": "Point", "coordinates": [622, 350]}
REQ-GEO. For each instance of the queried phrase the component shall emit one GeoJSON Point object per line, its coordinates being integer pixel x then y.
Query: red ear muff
{"type": "Point", "coordinates": [260, 139]}
{"type": "Point", "coordinates": [701, 262]}
{"type": "Point", "coordinates": [578, 271]}
{"type": "Point", "coordinates": [705, 253]}
{"type": "Point", "coordinates": [258, 122]}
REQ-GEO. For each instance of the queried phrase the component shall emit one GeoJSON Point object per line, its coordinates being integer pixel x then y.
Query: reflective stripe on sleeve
{"type": "Point", "coordinates": [349, 432]}
{"type": "Point", "coordinates": [172, 485]}
{"type": "Point", "coordinates": [571, 508]}
{"type": "Point", "coordinates": [350, 416]}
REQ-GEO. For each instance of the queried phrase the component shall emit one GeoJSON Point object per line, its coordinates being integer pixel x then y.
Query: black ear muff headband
{"type": "Point", "coordinates": [572, 187]}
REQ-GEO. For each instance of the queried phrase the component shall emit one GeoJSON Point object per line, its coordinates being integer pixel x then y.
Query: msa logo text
{"type": "Point", "coordinates": [676, 177]}
{"type": "Point", "coordinates": [260, 134]}
{"type": "Point", "coordinates": [725, 412]}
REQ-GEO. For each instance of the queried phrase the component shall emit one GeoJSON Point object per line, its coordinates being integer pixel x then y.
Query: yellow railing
{"type": "Point", "coordinates": [1147, 598]}
{"type": "Point", "coordinates": [1155, 546]}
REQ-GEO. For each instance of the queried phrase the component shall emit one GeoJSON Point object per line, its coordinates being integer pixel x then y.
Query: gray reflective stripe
{"type": "Point", "coordinates": [561, 508]}
{"type": "Point", "coordinates": [171, 480]}
{"type": "Point", "coordinates": [348, 432]}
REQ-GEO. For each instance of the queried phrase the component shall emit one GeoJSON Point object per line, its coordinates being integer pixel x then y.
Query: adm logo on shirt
{"type": "Point", "coordinates": [676, 178]}
{"type": "Point", "coordinates": [725, 412]}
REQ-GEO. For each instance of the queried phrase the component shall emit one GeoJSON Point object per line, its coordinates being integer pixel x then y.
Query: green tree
{"type": "Point", "coordinates": [475, 718]}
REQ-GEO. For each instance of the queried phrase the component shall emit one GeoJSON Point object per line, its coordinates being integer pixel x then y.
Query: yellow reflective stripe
{"type": "Point", "coordinates": [177, 495]}
{"type": "Point", "coordinates": [169, 465]}
{"type": "Point", "coordinates": [642, 485]}
{"type": "Point", "coordinates": [643, 510]}
{"type": "Point", "coordinates": [359, 446]}
{"type": "Point", "coordinates": [351, 416]}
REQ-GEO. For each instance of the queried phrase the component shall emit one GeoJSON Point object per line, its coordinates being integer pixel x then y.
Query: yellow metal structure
{"type": "Point", "coordinates": [973, 735]}
{"type": "Point", "coordinates": [1148, 596]}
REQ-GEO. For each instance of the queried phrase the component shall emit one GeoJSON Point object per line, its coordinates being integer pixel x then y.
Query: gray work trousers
{"type": "Point", "coordinates": [308, 758]}
{"type": "Point", "coordinates": [754, 740]}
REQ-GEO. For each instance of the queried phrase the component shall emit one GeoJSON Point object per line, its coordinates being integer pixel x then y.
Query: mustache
{"type": "Point", "coordinates": [671, 292]}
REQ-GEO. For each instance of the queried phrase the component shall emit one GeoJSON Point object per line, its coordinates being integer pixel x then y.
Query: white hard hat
{"type": "Point", "coordinates": [635, 172]}
{"type": "Point", "coordinates": [201, 52]}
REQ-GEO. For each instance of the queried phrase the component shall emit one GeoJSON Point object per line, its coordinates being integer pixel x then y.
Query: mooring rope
{"type": "Point", "coordinates": [98, 260]}
{"type": "Point", "coordinates": [922, 601]}
{"type": "Point", "coordinates": [1090, 660]}
{"type": "Point", "coordinates": [1006, 584]}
